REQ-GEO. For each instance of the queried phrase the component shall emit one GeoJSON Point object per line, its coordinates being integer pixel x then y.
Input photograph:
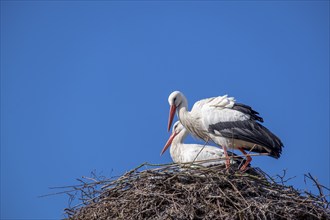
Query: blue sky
{"type": "Point", "coordinates": [84, 86]}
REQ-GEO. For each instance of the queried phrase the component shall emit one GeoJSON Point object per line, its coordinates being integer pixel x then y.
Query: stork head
{"type": "Point", "coordinates": [177, 128]}
{"type": "Point", "coordinates": [175, 99]}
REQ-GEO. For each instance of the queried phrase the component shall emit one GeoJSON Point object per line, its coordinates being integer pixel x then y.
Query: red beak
{"type": "Point", "coordinates": [169, 142]}
{"type": "Point", "coordinates": [170, 117]}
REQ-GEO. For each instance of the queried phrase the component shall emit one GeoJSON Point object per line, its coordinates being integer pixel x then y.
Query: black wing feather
{"type": "Point", "coordinates": [254, 115]}
{"type": "Point", "coordinates": [250, 131]}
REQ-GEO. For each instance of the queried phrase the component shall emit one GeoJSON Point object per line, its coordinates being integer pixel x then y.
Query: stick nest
{"type": "Point", "coordinates": [173, 192]}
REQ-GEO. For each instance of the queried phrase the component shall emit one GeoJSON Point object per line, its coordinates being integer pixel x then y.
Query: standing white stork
{"type": "Point", "coordinates": [226, 123]}
{"type": "Point", "coordinates": [188, 153]}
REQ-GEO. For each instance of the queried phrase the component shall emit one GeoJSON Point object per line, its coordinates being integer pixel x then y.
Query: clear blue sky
{"type": "Point", "coordinates": [84, 86]}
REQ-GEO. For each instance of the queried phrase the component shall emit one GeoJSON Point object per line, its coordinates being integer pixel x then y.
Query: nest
{"type": "Point", "coordinates": [173, 192]}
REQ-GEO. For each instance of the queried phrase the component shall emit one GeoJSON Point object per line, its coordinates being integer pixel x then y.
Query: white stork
{"type": "Point", "coordinates": [188, 153]}
{"type": "Point", "coordinates": [226, 123]}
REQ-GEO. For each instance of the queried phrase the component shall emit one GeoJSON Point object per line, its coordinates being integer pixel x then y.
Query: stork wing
{"type": "Point", "coordinates": [220, 101]}
{"type": "Point", "coordinates": [249, 131]}
{"type": "Point", "coordinates": [208, 152]}
{"type": "Point", "coordinates": [254, 115]}
{"type": "Point", "coordinates": [223, 108]}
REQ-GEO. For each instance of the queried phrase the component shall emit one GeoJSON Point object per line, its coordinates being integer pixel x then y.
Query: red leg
{"type": "Point", "coordinates": [227, 157]}
{"type": "Point", "coordinates": [248, 159]}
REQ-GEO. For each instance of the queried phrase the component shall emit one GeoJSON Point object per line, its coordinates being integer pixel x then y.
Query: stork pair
{"type": "Point", "coordinates": [228, 124]}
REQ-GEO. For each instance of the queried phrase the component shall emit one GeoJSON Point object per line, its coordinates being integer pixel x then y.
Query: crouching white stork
{"type": "Point", "coordinates": [204, 155]}
{"type": "Point", "coordinates": [226, 123]}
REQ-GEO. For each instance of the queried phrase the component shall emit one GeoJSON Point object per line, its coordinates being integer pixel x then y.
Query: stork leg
{"type": "Point", "coordinates": [248, 159]}
{"type": "Point", "coordinates": [227, 157]}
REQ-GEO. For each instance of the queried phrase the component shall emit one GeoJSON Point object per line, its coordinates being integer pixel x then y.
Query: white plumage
{"type": "Point", "coordinates": [188, 153]}
{"type": "Point", "coordinates": [226, 123]}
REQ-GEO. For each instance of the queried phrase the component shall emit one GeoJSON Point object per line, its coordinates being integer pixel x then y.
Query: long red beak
{"type": "Point", "coordinates": [170, 117]}
{"type": "Point", "coordinates": [169, 142]}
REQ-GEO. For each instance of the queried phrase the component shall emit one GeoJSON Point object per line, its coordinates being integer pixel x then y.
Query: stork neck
{"type": "Point", "coordinates": [180, 137]}
{"type": "Point", "coordinates": [184, 115]}
{"type": "Point", "coordinates": [183, 109]}
{"type": "Point", "coordinates": [177, 146]}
